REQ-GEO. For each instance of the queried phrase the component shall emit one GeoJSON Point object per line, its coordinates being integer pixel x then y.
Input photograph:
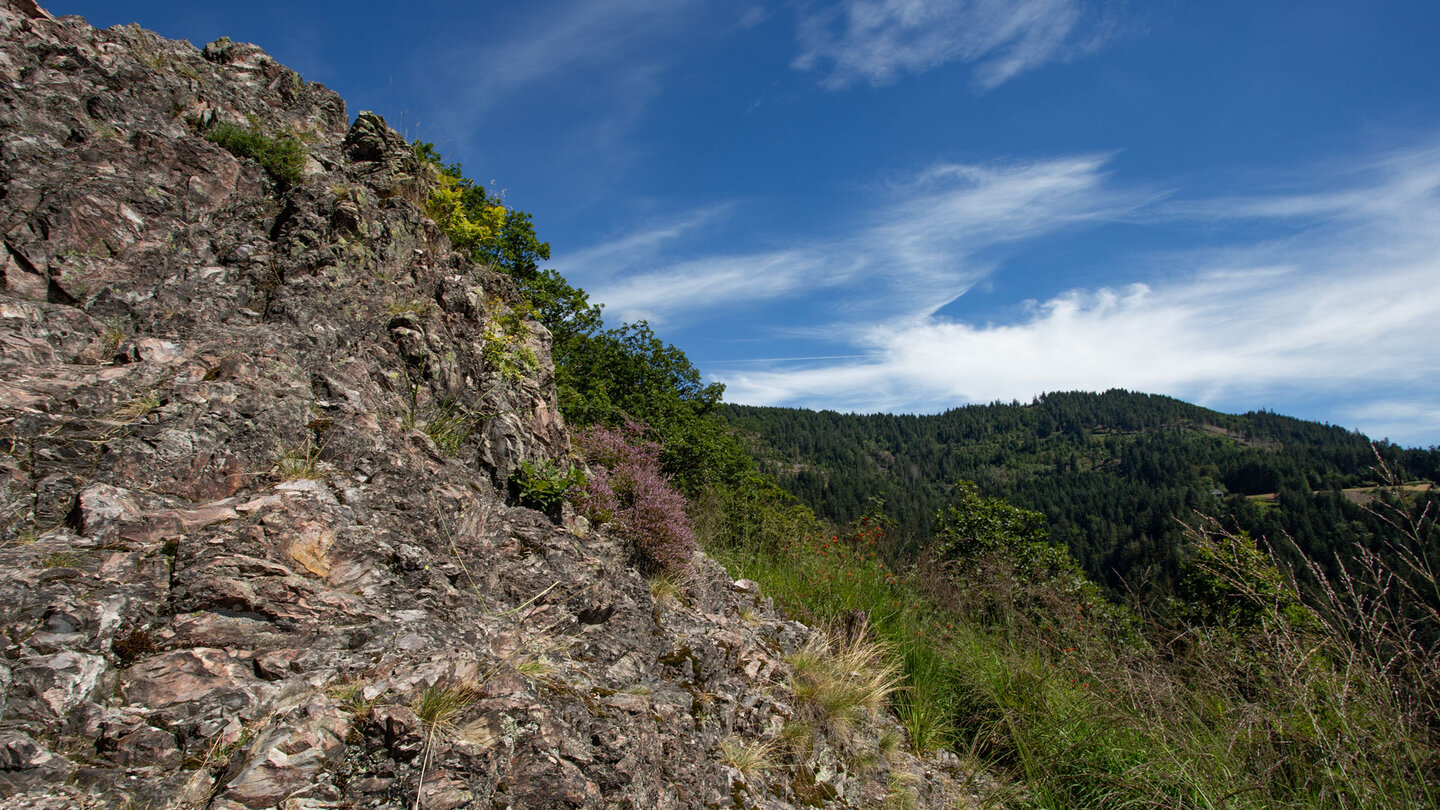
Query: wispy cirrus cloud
{"type": "Point", "coordinates": [918, 249]}
{"type": "Point", "coordinates": [571, 37]}
{"type": "Point", "coordinates": [925, 244]}
{"type": "Point", "coordinates": [1341, 305]}
{"type": "Point", "coordinates": [706, 284]}
{"type": "Point", "coordinates": [1409, 421]}
{"type": "Point", "coordinates": [1322, 293]}
{"type": "Point", "coordinates": [598, 263]}
{"type": "Point", "coordinates": [605, 60]}
{"type": "Point", "coordinates": [878, 41]}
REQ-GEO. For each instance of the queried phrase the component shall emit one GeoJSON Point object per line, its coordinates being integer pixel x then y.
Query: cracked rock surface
{"type": "Point", "coordinates": [238, 571]}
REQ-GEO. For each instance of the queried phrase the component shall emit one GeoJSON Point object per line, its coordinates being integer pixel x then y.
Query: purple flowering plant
{"type": "Point", "coordinates": [628, 488]}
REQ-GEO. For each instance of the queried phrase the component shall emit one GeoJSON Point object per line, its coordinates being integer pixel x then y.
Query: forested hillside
{"type": "Point", "coordinates": [1119, 475]}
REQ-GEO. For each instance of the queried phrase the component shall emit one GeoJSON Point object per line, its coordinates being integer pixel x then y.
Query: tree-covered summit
{"type": "Point", "coordinates": [1118, 475]}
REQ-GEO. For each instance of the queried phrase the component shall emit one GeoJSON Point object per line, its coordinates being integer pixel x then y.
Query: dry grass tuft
{"type": "Point", "coordinates": [140, 405]}
{"type": "Point", "coordinates": [300, 461]}
{"type": "Point", "coordinates": [900, 794]}
{"type": "Point", "coordinates": [438, 706]}
{"type": "Point", "coordinates": [668, 587]}
{"type": "Point", "coordinates": [350, 696]}
{"type": "Point", "coordinates": [536, 670]}
{"type": "Point", "coordinates": [753, 758]}
{"type": "Point", "coordinates": [843, 682]}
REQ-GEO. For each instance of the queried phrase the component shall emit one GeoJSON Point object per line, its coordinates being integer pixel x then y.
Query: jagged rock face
{"type": "Point", "coordinates": [252, 447]}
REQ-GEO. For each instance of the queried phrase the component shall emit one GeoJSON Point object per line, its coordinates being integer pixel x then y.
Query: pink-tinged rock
{"type": "Point", "coordinates": [19, 752]}
{"type": "Point", "coordinates": [208, 629]}
{"type": "Point", "coordinates": [401, 730]}
{"type": "Point", "coordinates": [257, 504]}
{"type": "Point", "coordinates": [443, 791]}
{"type": "Point", "coordinates": [745, 586]}
{"type": "Point", "coordinates": [159, 525]}
{"type": "Point", "coordinates": [21, 279]}
{"type": "Point", "coordinates": [272, 665]}
{"type": "Point", "coordinates": [188, 676]}
{"type": "Point", "coordinates": [61, 682]}
{"type": "Point", "coordinates": [755, 666]}
{"type": "Point", "coordinates": [306, 487]}
{"type": "Point", "coordinates": [267, 589]}
{"type": "Point", "coordinates": [18, 398]}
{"type": "Point", "coordinates": [288, 760]}
{"type": "Point", "coordinates": [728, 639]}
{"type": "Point", "coordinates": [102, 505]}
{"type": "Point", "coordinates": [131, 568]}
{"type": "Point", "coordinates": [147, 746]}
{"type": "Point", "coordinates": [211, 477]}
{"type": "Point", "coordinates": [31, 9]}
{"type": "Point", "coordinates": [200, 516]}
{"type": "Point", "coordinates": [153, 350]}
{"type": "Point", "coordinates": [635, 704]}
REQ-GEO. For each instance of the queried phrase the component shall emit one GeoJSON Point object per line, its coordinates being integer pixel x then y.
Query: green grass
{"type": "Point", "coordinates": [1076, 716]}
{"type": "Point", "coordinates": [449, 427]}
{"type": "Point", "coordinates": [61, 559]}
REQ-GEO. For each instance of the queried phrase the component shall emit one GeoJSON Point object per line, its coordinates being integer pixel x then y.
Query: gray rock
{"type": "Point", "coordinates": [56, 684]}
{"type": "Point", "coordinates": [292, 757]}
{"type": "Point", "coordinates": [18, 752]}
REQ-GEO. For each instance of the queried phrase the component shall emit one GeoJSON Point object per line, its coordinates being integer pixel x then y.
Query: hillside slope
{"type": "Point", "coordinates": [257, 428]}
{"type": "Point", "coordinates": [1118, 475]}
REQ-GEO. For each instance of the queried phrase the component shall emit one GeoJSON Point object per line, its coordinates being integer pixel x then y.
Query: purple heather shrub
{"type": "Point", "coordinates": [629, 490]}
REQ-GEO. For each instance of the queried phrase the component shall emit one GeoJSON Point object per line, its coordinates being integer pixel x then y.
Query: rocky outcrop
{"type": "Point", "coordinates": [253, 527]}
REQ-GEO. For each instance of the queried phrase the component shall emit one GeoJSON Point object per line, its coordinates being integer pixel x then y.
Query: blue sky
{"type": "Point", "coordinates": [910, 205]}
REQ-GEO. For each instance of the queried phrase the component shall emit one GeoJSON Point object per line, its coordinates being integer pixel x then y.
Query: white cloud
{"type": "Point", "coordinates": [925, 244]}
{"type": "Point", "coordinates": [913, 254]}
{"type": "Point", "coordinates": [708, 284]}
{"type": "Point", "coordinates": [1199, 340]}
{"type": "Point", "coordinates": [598, 263]}
{"type": "Point", "coordinates": [1407, 421]}
{"type": "Point", "coordinates": [1380, 190]}
{"type": "Point", "coordinates": [1334, 307]}
{"type": "Point", "coordinates": [1345, 306]}
{"type": "Point", "coordinates": [753, 16]}
{"type": "Point", "coordinates": [605, 60]}
{"type": "Point", "coordinates": [599, 35]}
{"type": "Point", "coordinates": [878, 41]}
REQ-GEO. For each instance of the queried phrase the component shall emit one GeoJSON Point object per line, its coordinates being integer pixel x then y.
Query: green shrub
{"type": "Point", "coordinates": [464, 213]}
{"type": "Point", "coordinates": [282, 156]}
{"type": "Point", "coordinates": [547, 485]}
{"type": "Point", "coordinates": [480, 226]}
{"type": "Point", "coordinates": [503, 343]}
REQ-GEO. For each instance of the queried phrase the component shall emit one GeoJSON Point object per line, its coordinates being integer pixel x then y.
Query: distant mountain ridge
{"type": "Point", "coordinates": [1117, 474]}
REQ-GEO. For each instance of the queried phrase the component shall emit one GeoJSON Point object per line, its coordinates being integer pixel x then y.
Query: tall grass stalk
{"type": "Point", "coordinates": [1330, 706]}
